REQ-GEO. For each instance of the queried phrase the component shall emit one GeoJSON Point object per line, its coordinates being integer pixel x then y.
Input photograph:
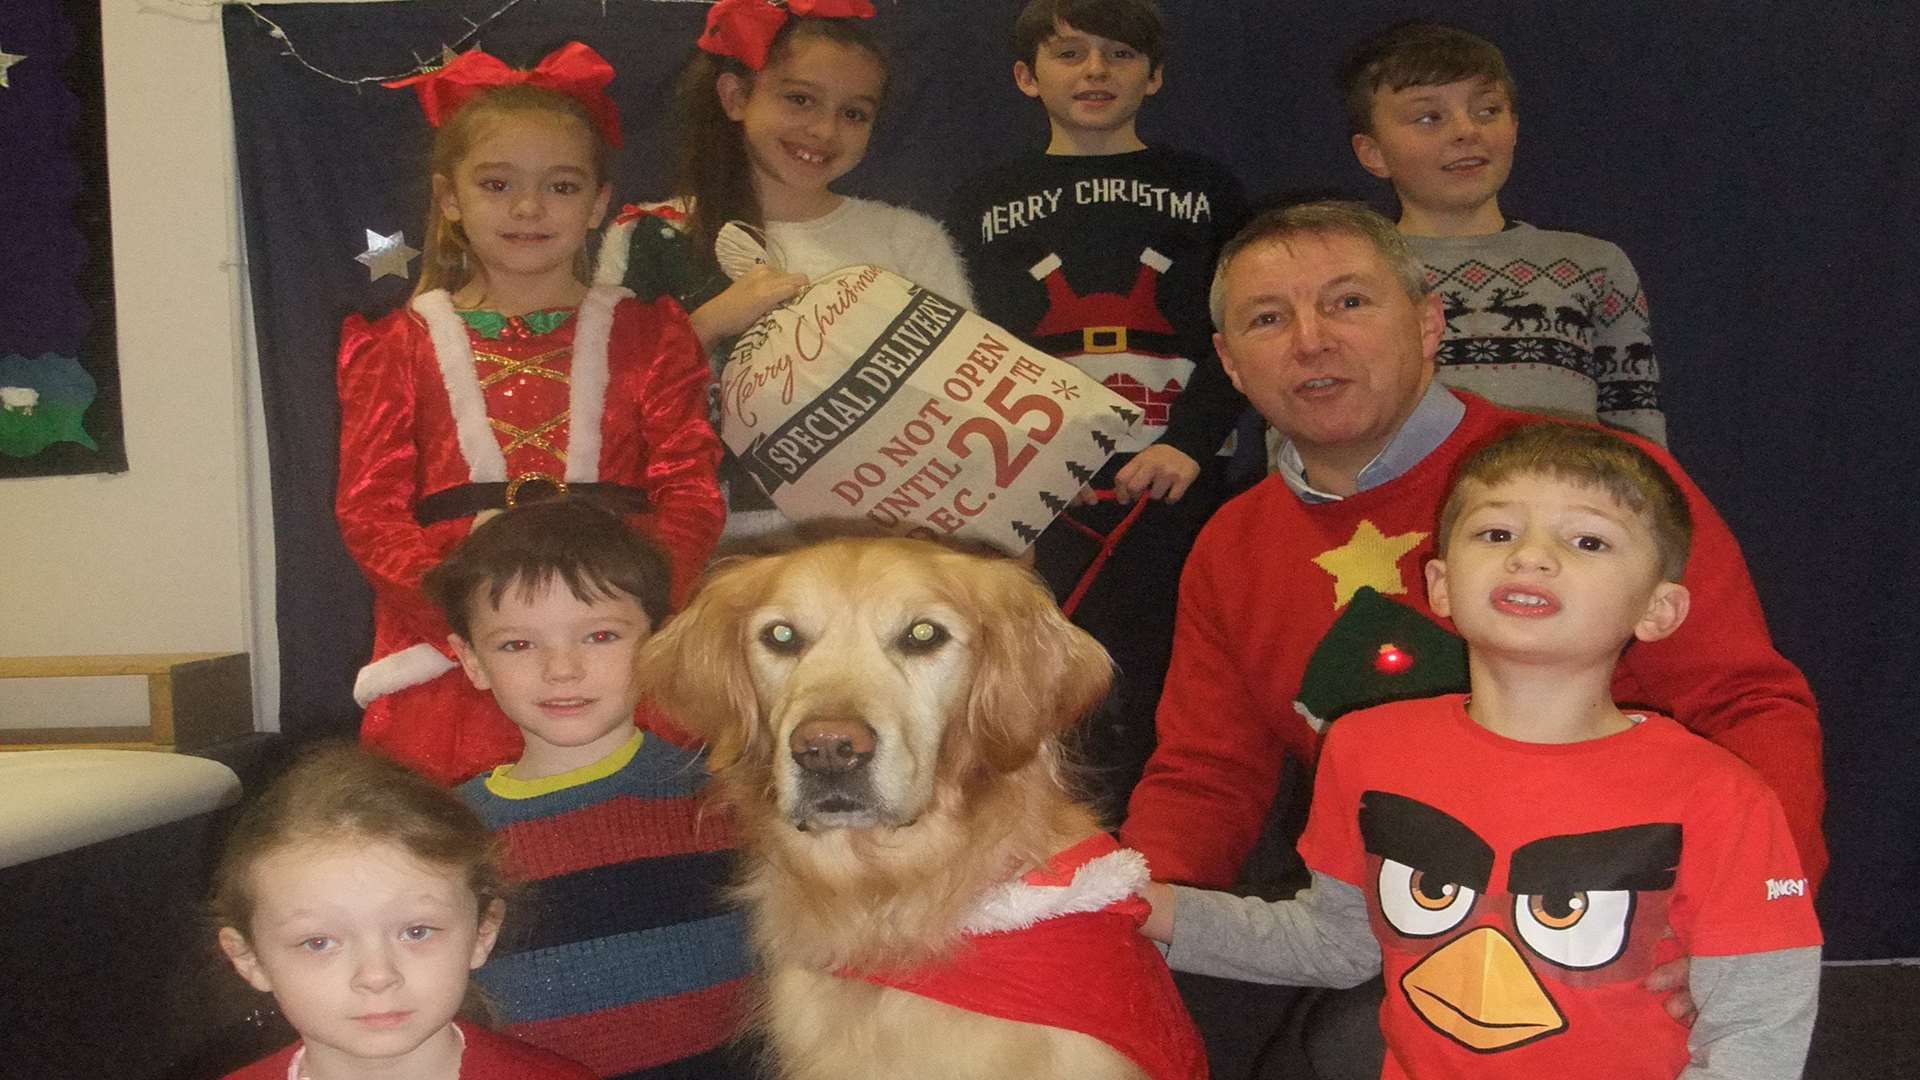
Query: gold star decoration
{"type": "Point", "coordinates": [7, 60]}
{"type": "Point", "coordinates": [1370, 558]}
{"type": "Point", "coordinates": [386, 255]}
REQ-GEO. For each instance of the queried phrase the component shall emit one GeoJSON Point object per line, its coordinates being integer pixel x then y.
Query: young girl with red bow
{"type": "Point", "coordinates": [777, 104]}
{"type": "Point", "coordinates": [508, 378]}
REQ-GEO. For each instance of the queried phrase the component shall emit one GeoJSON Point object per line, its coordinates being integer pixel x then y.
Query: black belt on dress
{"type": "Point", "coordinates": [470, 499]}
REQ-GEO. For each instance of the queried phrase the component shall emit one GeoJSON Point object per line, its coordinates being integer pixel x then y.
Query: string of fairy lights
{"type": "Point", "coordinates": [422, 63]}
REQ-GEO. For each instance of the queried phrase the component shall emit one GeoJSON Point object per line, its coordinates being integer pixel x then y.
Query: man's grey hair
{"type": "Point", "coordinates": [1331, 216]}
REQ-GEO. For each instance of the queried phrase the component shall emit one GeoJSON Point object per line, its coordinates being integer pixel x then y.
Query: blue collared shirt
{"type": "Point", "coordinates": [1431, 421]}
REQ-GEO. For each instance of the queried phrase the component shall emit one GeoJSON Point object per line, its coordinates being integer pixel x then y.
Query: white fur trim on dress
{"type": "Point", "coordinates": [1098, 884]}
{"type": "Point", "coordinates": [454, 353]}
{"type": "Point", "coordinates": [615, 245]}
{"type": "Point", "coordinates": [410, 666]}
{"type": "Point", "coordinates": [587, 384]}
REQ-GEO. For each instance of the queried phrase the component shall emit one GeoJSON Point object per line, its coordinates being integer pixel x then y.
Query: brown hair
{"type": "Point", "coordinates": [1320, 218]}
{"type": "Point", "coordinates": [1130, 22]}
{"type": "Point", "coordinates": [337, 791]}
{"type": "Point", "coordinates": [594, 552]}
{"type": "Point", "coordinates": [712, 169]}
{"type": "Point", "coordinates": [1590, 457]}
{"type": "Point", "coordinates": [445, 259]}
{"type": "Point", "coordinates": [1416, 54]}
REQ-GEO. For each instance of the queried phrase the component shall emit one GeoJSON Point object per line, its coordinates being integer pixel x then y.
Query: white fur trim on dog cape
{"type": "Point", "coordinates": [1096, 884]}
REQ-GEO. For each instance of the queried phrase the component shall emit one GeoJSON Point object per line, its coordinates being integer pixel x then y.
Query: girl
{"type": "Point", "coordinates": [778, 104]}
{"type": "Point", "coordinates": [360, 895]}
{"type": "Point", "coordinates": [507, 378]}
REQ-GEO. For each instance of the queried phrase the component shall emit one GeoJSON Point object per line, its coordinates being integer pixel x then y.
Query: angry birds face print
{"type": "Point", "coordinates": [1493, 935]}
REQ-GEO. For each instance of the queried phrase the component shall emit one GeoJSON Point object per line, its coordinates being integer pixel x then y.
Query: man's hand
{"type": "Point", "coordinates": [1672, 976]}
{"type": "Point", "coordinates": [757, 292]}
{"type": "Point", "coordinates": [1158, 472]}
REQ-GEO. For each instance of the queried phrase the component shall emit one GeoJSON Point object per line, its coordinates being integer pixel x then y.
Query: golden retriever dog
{"type": "Point", "coordinates": [882, 716]}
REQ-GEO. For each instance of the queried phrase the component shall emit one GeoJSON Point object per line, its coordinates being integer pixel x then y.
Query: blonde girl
{"type": "Point", "coordinates": [508, 378]}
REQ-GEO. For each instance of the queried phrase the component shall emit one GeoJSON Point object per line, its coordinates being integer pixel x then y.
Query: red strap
{"type": "Point", "coordinates": [1107, 541]}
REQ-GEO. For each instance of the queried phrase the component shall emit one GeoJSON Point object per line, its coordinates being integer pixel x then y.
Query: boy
{"type": "Point", "coordinates": [630, 962]}
{"type": "Point", "coordinates": [1517, 860]}
{"type": "Point", "coordinates": [1552, 321]}
{"type": "Point", "coordinates": [1100, 252]}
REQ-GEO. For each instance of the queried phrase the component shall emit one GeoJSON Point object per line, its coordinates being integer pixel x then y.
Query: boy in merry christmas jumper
{"type": "Point", "coordinates": [1100, 252]}
{"type": "Point", "coordinates": [1538, 320]}
{"type": "Point", "coordinates": [625, 958]}
{"type": "Point", "coordinates": [1516, 860]}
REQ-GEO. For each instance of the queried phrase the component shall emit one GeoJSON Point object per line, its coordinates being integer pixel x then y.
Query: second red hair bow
{"type": "Point", "coordinates": [744, 29]}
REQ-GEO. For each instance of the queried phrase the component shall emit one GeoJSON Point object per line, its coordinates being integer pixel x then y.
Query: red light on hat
{"type": "Point", "coordinates": [1392, 660]}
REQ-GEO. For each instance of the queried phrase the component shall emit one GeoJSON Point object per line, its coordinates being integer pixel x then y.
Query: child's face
{"type": "Point", "coordinates": [805, 118]}
{"type": "Point", "coordinates": [1091, 85]}
{"type": "Point", "coordinates": [561, 669]}
{"type": "Point", "coordinates": [526, 193]}
{"type": "Point", "coordinates": [365, 947]}
{"type": "Point", "coordinates": [1548, 572]}
{"type": "Point", "coordinates": [1447, 149]}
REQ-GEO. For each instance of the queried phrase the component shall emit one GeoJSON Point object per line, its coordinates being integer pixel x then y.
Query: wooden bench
{"type": "Point", "coordinates": [193, 700]}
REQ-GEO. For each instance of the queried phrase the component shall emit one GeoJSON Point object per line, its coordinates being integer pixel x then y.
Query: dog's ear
{"type": "Point", "coordinates": [1038, 674]}
{"type": "Point", "coordinates": [695, 667]}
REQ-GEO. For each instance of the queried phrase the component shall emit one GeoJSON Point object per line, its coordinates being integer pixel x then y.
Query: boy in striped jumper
{"type": "Point", "coordinates": [625, 957]}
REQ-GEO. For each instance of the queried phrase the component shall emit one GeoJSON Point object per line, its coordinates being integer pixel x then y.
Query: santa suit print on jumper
{"type": "Point", "coordinates": [1121, 339]}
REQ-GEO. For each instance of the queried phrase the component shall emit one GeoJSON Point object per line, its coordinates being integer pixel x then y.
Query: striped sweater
{"type": "Point", "coordinates": [622, 955]}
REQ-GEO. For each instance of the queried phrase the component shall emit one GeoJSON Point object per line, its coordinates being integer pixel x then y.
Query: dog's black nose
{"type": "Point", "coordinates": [831, 746]}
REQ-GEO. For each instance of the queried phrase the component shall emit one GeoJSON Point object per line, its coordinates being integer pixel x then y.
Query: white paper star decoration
{"type": "Point", "coordinates": [7, 60]}
{"type": "Point", "coordinates": [387, 255]}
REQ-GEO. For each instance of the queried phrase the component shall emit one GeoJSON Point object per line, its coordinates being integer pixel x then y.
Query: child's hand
{"type": "Point", "coordinates": [1159, 925]}
{"type": "Point", "coordinates": [757, 292]}
{"type": "Point", "coordinates": [1158, 472]}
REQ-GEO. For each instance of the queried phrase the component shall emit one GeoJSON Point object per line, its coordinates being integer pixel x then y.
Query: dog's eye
{"type": "Point", "coordinates": [781, 638]}
{"type": "Point", "coordinates": [923, 636]}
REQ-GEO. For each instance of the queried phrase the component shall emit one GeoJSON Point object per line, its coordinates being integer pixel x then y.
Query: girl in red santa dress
{"type": "Point", "coordinates": [506, 378]}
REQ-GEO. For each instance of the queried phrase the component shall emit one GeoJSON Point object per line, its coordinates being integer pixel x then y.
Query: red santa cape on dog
{"type": "Point", "coordinates": [1060, 947]}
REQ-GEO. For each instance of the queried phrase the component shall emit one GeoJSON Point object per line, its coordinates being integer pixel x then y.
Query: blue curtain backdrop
{"type": "Point", "coordinates": [1759, 162]}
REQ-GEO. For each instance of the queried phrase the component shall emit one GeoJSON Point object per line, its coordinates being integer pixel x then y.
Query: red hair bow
{"type": "Point", "coordinates": [744, 29]}
{"type": "Point", "coordinates": [573, 69]}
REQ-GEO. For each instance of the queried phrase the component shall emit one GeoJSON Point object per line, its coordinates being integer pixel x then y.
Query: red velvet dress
{"type": "Point", "coordinates": [427, 403]}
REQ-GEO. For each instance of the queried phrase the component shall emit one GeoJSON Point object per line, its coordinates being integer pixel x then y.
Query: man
{"type": "Point", "coordinates": [1303, 597]}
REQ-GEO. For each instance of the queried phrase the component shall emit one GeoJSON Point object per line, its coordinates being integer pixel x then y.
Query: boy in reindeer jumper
{"type": "Point", "coordinates": [1518, 859]}
{"type": "Point", "coordinates": [626, 958]}
{"type": "Point", "coordinates": [1537, 320]}
{"type": "Point", "coordinates": [1100, 251]}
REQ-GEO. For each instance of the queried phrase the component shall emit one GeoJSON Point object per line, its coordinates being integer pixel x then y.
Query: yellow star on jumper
{"type": "Point", "coordinates": [1370, 558]}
